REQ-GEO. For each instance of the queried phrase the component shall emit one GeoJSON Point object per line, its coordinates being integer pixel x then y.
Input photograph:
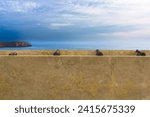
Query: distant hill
{"type": "Point", "coordinates": [15, 44]}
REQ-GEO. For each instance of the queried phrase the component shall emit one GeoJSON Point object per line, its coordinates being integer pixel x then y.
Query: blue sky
{"type": "Point", "coordinates": [63, 20]}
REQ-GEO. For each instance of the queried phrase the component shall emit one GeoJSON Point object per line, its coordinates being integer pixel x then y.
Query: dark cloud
{"type": "Point", "coordinates": [9, 35]}
{"type": "Point", "coordinates": [71, 20]}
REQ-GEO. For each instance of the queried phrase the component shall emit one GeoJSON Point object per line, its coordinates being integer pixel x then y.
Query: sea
{"type": "Point", "coordinates": [85, 45]}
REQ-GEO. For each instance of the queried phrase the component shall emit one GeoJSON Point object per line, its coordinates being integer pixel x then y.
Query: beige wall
{"type": "Point", "coordinates": [78, 77]}
{"type": "Point", "coordinates": [71, 52]}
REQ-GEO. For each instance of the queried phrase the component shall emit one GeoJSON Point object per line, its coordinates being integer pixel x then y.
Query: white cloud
{"type": "Point", "coordinates": [18, 5]}
{"type": "Point", "coordinates": [142, 33]}
{"type": "Point", "coordinates": [132, 34]}
{"type": "Point", "coordinates": [58, 14]}
{"type": "Point", "coordinates": [59, 25]}
{"type": "Point", "coordinates": [111, 12]}
{"type": "Point", "coordinates": [91, 12]}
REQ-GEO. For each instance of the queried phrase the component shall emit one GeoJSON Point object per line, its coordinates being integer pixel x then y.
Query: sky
{"type": "Point", "coordinates": [73, 20]}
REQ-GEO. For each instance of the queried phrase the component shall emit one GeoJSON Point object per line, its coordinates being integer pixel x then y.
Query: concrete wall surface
{"type": "Point", "coordinates": [74, 77]}
{"type": "Point", "coordinates": [73, 52]}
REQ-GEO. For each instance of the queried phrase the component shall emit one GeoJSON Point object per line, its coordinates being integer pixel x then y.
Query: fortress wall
{"type": "Point", "coordinates": [78, 77]}
{"type": "Point", "coordinates": [71, 52]}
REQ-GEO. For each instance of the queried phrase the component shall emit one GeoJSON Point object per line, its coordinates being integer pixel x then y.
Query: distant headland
{"type": "Point", "coordinates": [15, 44]}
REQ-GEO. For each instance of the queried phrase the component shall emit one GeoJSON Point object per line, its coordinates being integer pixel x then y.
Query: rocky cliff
{"type": "Point", "coordinates": [15, 44]}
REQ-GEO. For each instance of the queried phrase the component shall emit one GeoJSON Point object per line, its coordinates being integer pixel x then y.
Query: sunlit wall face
{"type": "Point", "coordinates": [58, 20]}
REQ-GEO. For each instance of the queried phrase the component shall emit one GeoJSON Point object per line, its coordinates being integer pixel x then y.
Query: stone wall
{"type": "Point", "coordinates": [74, 77]}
